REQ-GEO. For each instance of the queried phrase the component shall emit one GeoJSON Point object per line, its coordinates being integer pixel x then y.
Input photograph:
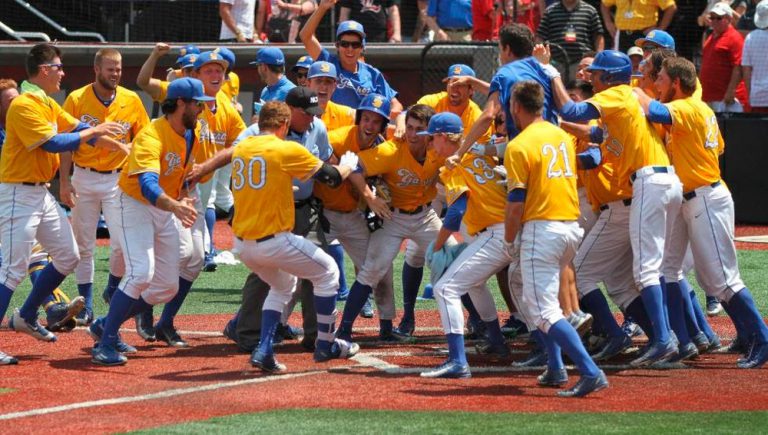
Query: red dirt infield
{"type": "Point", "coordinates": [161, 385]}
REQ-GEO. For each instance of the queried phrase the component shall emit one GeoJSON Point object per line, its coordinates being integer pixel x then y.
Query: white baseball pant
{"type": "Point", "coordinates": [96, 192]}
{"type": "Point", "coordinates": [587, 216]}
{"type": "Point", "coordinates": [480, 260]}
{"type": "Point", "coordinates": [149, 239]}
{"type": "Point", "coordinates": [192, 245]}
{"type": "Point", "coordinates": [29, 214]}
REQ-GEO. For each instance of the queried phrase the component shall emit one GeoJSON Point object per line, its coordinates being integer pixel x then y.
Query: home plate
{"type": "Point", "coordinates": [752, 239]}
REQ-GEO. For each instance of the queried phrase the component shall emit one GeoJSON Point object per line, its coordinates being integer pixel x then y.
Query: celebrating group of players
{"type": "Point", "coordinates": [553, 190]}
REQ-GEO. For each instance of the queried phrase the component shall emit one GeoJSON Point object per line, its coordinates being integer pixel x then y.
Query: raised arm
{"type": "Point", "coordinates": [307, 34]}
{"type": "Point", "coordinates": [145, 80]}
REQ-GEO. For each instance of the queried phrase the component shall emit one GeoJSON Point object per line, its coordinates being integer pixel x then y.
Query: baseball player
{"type": "Point", "coordinates": [38, 129]}
{"type": "Point", "coordinates": [642, 163]}
{"type": "Point", "coordinates": [156, 88]}
{"type": "Point", "coordinates": [410, 170]}
{"type": "Point", "coordinates": [322, 79]}
{"type": "Point", "coordinates": [694, 143]}
{"type": "Point", "coordinates": [94, 183]}
{"type": "Point", "coordinates": [270, 64]}
{"type": "Point", "coordinates": [149, 213]}
{"type": "Point", "coordinates": [541, 225]}
{"type": "Point", "coordinates": [231, 86]}
{"type": "Point", "coordinates": [475, 195]}
{"type": "Point", "coordinates": [356, 78]}
{"type": "Point", "coordinates": [263, 169]}
{"type": "Point", "coordinates": [301, 70]}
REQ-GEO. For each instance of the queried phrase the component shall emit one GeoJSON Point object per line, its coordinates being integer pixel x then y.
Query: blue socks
{"type": "Point", "coordinates": [358, 294]}
{"type": "Point", "coordinates": [119, 307]}
{"type": "Point", "coordinates": [269, 321]}
{"type": "Point", "coordinates": [456, 350]}
{"type": "Point", "coordinates": [337, 253]}
{"type": "Point", "coordinates": [210, 221]}
{"type": "Point", "coordinates": [325, 307]}
{"type": "Point", "coordinates": [568, 339]}
{"type": "Point", "coordinates": [112, 283]}
{"type": "Point", "coordinates": [86, 291]}
{"type": "Point", "coordinates": [743, 306]}
{"type": "Point", "coordinates": [411, 282]}
{"type": "Point", "coordinates": [636, 310]}
{"type": "Point", "coordinates": [554, 354]}
{"type": "Point", "coordinates": [172, 308]}
{"type": "Point", "coordinates": [675, 296]}
{"type": "Point", "coordinates": [44, 285]}
{"type": "Point", "coordinates": [493, 329]}
{"type": "Point", "coordinates": [597, 305]}
{"type": "Point", "coordinates": [653, 300]}
{"type": "Point", "coordinates": [5, 299]}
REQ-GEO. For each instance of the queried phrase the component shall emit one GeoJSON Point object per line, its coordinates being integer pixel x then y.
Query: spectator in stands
{"type": "Point", "coordinates": [237, 20]}
{"type": "Point", "coordinates": [635, 56]}
{"type": "Point", "coordinates": [575, 26]}
{"type": "Point", "coordinates": [526, 12]}
{"type": "Point", "coordinates": [422, 33]}
{"type": "Point", "coordinates": [746, 23]}
{"type": "Point", "coordinates": [270, 63]}
{"type": "Point", "coordinates": [486, 20]}
{"type": "Point", "coordinates": [635, 18]}
{"type": "Point", "coordinates": [375, 16]}
{"type": "Point", "coordinates": [754, 61]}
{"type": "Point", "coordinates": [738, 8]}
{"type": "Point", "coordinates": [8, 91]}
{"type": "Point", "coordinates": [451, 20]}
{"type": "Point", "coordinates": [721, 83]}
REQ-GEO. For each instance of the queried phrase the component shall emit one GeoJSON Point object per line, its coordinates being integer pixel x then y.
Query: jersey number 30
{"type": "Point", "coordinates": [254, 172]}
{"type": "Point", "coordinates": [550, 151]}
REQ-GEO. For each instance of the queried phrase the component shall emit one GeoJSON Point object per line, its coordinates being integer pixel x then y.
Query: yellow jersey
{"type": "Point", "coordinates": [263, 169]}
{"type": "Point", "coordinates": [637, 14]}
{"type": "Point", "coordinates": [126, 109]}
{"type": "Point", "coordinates": [218, 130]}
{"type": "Point", "coordinates": [694, 143]}
{"type": "Point", "coordinates": [542, 161]}
{"type": "Point", "coordinates": [337, 116]}
{"type": "Point", "coordinates": [163, 91]}
{"type": "Point", "coordinates": [410, 183]}
{"type": "Point", "coordinates": [32, 120]}
{"type": "Point", "coordinates": [159, 149]}
{"type": "Point", "coordinates": [486, 198]}
{"type": "Point", "coordinates": [627, 134]}
{"type": "Point", "coordinates": [231, 87]}
{"type": "Point", "coordinates": [469, 115]}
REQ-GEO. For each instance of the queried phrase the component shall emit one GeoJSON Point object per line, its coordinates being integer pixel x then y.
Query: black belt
{"type": "Point", "coordinates": [263, 239]}
{"type": "Point", "coordinates": [692, 194]}
{"type": "Point", "coordinates": [627, 202]}
{"type": "Point", "coordinates": [416, 210]}
{"type": "Point", "coordinates": [26, 183]}
{"type": "Point", "coordinates": [656, 169]}
{"type": "Point", "coordinates": [301, 202]}
{"type": "Point", "coordinates": [113, 171]}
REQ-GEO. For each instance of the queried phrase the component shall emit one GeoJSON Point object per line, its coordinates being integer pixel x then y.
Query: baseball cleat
{"type": "Point", "coordinates": [613, 347]}
{"type": "Point", "coordinates": [758, 358]}
{"type": "Point", "coordinates": [713, 307]}
{"type": "Point", "coordinates": [170, 336]}
{"type": "Point", "coordinates": [407, 327]}
{"type": "Point", "coordinates": [344, 333]}
{"type": "Point", "coordinates": [230, 330]}
{"type": "Point", "coordinates": [339, 349]}
{"type": "Point", "coordinates": [581, 324]}
{"type": "Point", "coordinates": [267, 363]}
{"type": "Point", "coordinates": [632, 329]}
{"type": "Point", "coordinates": [714, 344]}
{"type": "Point", "coordinates": [749, 354]}
{"type": "Point", "coordinates": [514, 328]}
{"type": "Point", "coordinates": [738, 345]}
{"type": "Point", "coordinates": [144, 326]}
{"type": "Point", "coordinates": [551, 378]}
{"type": "Point", "coordinates": [659, 352]}
{"type": "Point", "coordinates": [288, 332]}
{"type": "Point", "coordinates": [104, 355]}
{"type": "Point", "coordinates": [7, 360]}
{"type": "Point", "coordinates": [367, 310]}
{"type": "Point", "coordinates": [96, 331]}
{"type": "Point", "coordinates": [536, 358]}
{"type": "Point", "coordinates": [499, 350]}
{"type": "Point", "coordinates": [684, 353]}
{"type": "Point", "coordinates": [586, 385]}
{"type": "Point", "coordinates": [84, 317]}
{"type": "Point", "coordinates": [449, 369]}
{"type": "Point", "coordinates": [701, 341]}
{"type": "Point", "coordinates": [308, 342]}
{"type": "Point", "coordinates": [18, 324]}
{"type": "Point", "coordinates": [209, 264]}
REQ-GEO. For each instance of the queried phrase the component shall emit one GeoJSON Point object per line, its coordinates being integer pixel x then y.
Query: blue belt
{"type": "Point", "coordinates": [692, 194]}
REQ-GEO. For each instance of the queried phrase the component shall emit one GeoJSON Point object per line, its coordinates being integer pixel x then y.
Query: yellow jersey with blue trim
{"type": "Point", "coordinates": [486, 199]}
{"type": "Point", "coordinates": [337, 116]}
{"type": "Point", "coordinates": [263, 169]}
{"type": "Point", "coordinates": [440, 102]}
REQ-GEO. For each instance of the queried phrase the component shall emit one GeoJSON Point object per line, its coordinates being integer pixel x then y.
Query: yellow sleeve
{"type": "Point", "coordinates": [454, 182]}
{"type": "Point", "coordinates": [145, 155]}
{"type": "Point", "coordinates": [518, 168]}
{"type": "Point", "coordinates": [298, 162]}
{"type": "Point", "coordinates": [70, 105]}
{"type": "Point", "coordinates": [697, 92]}
{"type": "Point", "coordinates": [37, 128]}
{"type": "Point", "coordinates": [336, 139]}
{"type": "Point", "coordinates": [235, 127]}
{"type": "Point", "coordinates": [430, 100]}
{"type": "Point", "coordinates": [379, 160]}
{"type": "Point", "coordinates": [609, 100]}
{"type": "Point", "coordinates": [609, 3]}
{"type": "Point", "coordinates": [65, 122]}
{"type": "Point", "coordinates": [163, 91]}
{"type": "Point", "coordinates": [663, 4]}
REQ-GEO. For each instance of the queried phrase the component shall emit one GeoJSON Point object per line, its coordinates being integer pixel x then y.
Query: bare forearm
{"type": "Point", "coordinates": [735, 79]}
{"type": "Point", "coordinates": [225, 12]}
{"type": "Point", "coordinates": [442, 237]}
{"type": "Point", "coordinates": [144, 79]}
{"type": "Point", "coordinates": [560, 94]}
{"type": "Point", "coordinates": [666, 19]}
{"type": "Point", "coordinates": [581, 131]}
{"type": "Point", "coordinates": [394, 19]}
{"type": "Point", "coordinates": [307, 33]}
{"type": "Point", "coordinates": [746, 71]}
{"type": "Point", "coordinates": [65, 167]}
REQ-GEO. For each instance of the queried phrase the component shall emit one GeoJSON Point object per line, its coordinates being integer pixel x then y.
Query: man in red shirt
{"type": "Point", "coordinates": [722, 86]}
{"type": "Point", "coordinates": [486, 20]}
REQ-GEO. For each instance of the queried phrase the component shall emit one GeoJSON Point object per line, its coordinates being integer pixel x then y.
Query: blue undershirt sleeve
{"type": "Point", "coordinates": [579, 112]}
{"type": "Point", "coordinates": [516, 195]}
{"type": "Point", "coordinates": [150, 186]}
{"type": "Point", "coordinates": [455, 213]}
{"type": "Point", "coordinates": [62, 142]}
{"type": "Point", "coordinates": [596, 134]}
{"type": "Point", "coordinates": [659, 113]}
{"type": "Point", "coordinates": [589, 159]}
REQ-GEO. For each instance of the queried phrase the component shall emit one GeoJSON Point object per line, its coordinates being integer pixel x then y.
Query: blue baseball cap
{"type": "Point", "coordinates": [187, 49]}
{"type": "Point", "coordinates": [303, 62]}
{"type": "Point", "coordinates": [188, 61]}
{"type": "Point", "coordinates": [210, 57]}
{"type": "Point", "coordinates": [322, 69]}
{"type": "Point", "coordinates": [188, 89]}
{"type": "Point", "coordinates": [269, 56]}
{"type": "Point", "coordinates": [443, 122]}
{"type": "Point", "coordinates": [459, 70]}
{"type": "Point", "coordinates": [350, 27]}
{"type": "Point", "coordinates": [658, 37]}
{"type": "Point", "coordinates": [227, 54]}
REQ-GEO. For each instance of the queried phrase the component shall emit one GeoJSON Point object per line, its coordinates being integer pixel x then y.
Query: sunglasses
{"type": "Point", "coordinates": [715, 18]}
{"type": "Point", "coordinates": [195, 102]}
{"type": "Point", "coordinates": [301, 75]}
{"type": "Point", "coordinates": [347, 44]}
{"type": "Point", "coordinates": [649, 47]}
{"type": "Point", "coordinates": [56, 66]}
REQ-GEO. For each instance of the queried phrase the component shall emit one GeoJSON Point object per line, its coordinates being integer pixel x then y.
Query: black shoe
{"type": "Point", "coordinates": [407, 327]}
{"type": "Point", "coordinates": [84, 317]}
{"type": "Point", "coordinates": [267, 363]}
{"type": "Point", "coordinates": [537, 358]}
{"type": "Point", "coordinates": [586, 385]}
{"type": "Point", "coordinates": [170, 336]}
{"type": "Point", "coordinates": [308, 342]}
{"type": "Point", "coordinates": [395, 338]}
{"type": "Point", "coordinates": [144, 326]}
{"type": "Point", "coordinates": [513, 328]}
{"type": "Point", "coordinates": [552, 378]}
{"type": "Point", "coordinates": [613, 347]}
{"type": "Point", "coordinates": [495, 350]}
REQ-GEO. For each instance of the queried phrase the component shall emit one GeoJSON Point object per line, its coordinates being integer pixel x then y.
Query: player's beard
{"type": "Point", "coordinates": [669, 95]}
{"type": "Point", "coordinates": [189, 118]}
{"type": "Point", "coordinates": [107, 84]}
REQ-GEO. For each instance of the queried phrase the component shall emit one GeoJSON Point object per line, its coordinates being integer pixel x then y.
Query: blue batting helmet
{"type": "Point", "coordinates": [616, 66]}
{"type": "Point", "coordinates": [377, 104]}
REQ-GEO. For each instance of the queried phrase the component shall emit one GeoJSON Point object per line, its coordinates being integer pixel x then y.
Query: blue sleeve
{"type": "Point", "coordinates": [495, 85]}
{"type": "Point", "coordinates": [381, 85]}
{"type": "Point", "coordinates": [578, 112]}
{"type": "Point", "coordinates": [455, 213]}
{"type": "Point", "coordinates": [324, 149]}
{"type": "Point", "coordinates": [62, 142]}
{"type": "Point", "coordinates": [150, 186]}
{"type": "Point", "coordinates": [596, 134]}
{"type": "Point", "coordinates": [659, 113]}
{"type": "Point", "coordinates": [432, 8]}
{"type": "Point", "coordinates": [589, 159]}
{"type": "Point", "coordinates": [80, 127]}
{"type": "Point", "coordinates": [324, 55]}
{"type": "Point", "coordinates": [516, 195]}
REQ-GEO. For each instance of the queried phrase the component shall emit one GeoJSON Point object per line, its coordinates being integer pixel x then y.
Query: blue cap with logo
{"type": "Point", "coordinates": [443, 122]}
{"type": "Point", "coordinates": [227, 54]}
{"type": "Point", "coordinates": [459, 70]}
{"type": "Point", "coordinates": [350, 27]}
{"type": "Point", "coordinates": [303, 62]}
{"type": "Point", "coordinates": [187, 88]}
{"type": "Point", "coordinates": [322, 69]}
{"type": "Point", "coordinates": [210, 57]}
{"type": "Point", "coordinates": [188, 61]}
{"type": "Point", "coordinates": [658, 37]}
{"type": "Point", "coordinates": [187, 49]}
{"type": "Point", "coordinates": [269, 56]}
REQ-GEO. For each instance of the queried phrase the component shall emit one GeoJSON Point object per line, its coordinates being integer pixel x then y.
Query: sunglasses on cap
{"type": "Point", "coordinates": [350, 44]}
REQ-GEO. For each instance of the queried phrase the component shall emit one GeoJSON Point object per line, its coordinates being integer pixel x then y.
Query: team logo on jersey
{"type": "Point", "coordinates": [377, 102]}
{"type": "Point", "coordinates": [173, 161]}
{"type": "Point", "coordinates": [408, 178]}
{"type": "Point", "coordinates": [92, 121]}
{"type": "Point", "coordinates": [369, 6]}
